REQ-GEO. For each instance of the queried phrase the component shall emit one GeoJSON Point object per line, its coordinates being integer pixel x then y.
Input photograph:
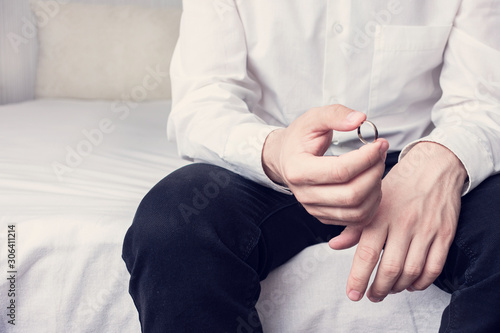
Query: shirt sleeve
{"type": "Point", "coordinates": [213, 94]}
{"type": "Point", "coordinates": [467, 117]}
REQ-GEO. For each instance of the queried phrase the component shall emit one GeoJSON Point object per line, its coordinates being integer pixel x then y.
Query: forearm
{"type": "Point", "coordinates": [213, 97]}
{"type": "Point", "coordinates": [467, 116]}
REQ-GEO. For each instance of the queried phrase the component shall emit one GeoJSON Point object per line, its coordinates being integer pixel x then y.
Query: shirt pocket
{"type": "Point", "coordinates": [406, 66]}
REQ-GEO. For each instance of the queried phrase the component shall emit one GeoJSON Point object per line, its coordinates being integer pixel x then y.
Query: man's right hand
{"type": "Point", "coordinates": [340, 190]}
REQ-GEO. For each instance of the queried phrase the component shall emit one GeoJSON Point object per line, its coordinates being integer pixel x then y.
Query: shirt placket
{"type": "Point", "coordinates": [336, 64]}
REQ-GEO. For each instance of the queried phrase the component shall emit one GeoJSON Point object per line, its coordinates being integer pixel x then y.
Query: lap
{"type": "Point", "coordinates": [253, 218]}
{"type": "Point", "coordinates": [473, 255]}
{"type": "Point", "coordinates": [202, 201]}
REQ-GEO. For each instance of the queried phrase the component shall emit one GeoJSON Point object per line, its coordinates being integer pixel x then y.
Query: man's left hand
{"type": "Point", "coordinates": [414, 225]}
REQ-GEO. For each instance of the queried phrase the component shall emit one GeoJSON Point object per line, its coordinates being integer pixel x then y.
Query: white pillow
{"type": "Point", "coordinates": [113, 52]}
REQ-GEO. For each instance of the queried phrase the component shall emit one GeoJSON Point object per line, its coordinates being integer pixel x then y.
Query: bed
{"type": "Point", "coordinates": [72, 173]}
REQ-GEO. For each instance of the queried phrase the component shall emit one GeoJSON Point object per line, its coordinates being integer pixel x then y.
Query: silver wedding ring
{"type": "Point", "coordinates": [374, 128]}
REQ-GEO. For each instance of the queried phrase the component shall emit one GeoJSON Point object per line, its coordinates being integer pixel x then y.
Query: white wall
{"type": "Point", "coordinates": [18, 44]}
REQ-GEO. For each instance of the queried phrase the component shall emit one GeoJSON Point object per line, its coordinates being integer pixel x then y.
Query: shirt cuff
{"type": "Point", "coordinates": [469, 149]}
{"type": "Point", "coordinates": [243, 151]}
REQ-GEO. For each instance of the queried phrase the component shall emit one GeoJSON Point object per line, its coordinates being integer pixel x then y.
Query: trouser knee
{"type": "Point", "coordinates": [180, 212]}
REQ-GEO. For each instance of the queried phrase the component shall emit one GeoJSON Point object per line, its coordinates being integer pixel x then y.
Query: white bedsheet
{"type": "Point", "coordinates": [70, 223]}
{"type": "Point", "coordinates": [69, 231]}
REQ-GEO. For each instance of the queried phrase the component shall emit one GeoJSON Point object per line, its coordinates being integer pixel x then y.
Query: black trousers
{"type": "Point", "coordinates": [203, 238]}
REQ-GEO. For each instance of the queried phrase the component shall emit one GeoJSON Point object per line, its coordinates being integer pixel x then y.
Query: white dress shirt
{"type": "Point", "coordinates": [420, 69]}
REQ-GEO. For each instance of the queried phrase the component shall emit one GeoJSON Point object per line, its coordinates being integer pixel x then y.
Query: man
{"type": "Point", "coordinates": [265, 92]}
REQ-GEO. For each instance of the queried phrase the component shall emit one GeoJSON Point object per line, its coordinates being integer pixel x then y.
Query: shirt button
{"type": "Point", "coordinates": [338, 28]}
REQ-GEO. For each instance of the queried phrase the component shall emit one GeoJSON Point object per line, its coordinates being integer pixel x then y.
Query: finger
{"type": "Point", "coordinates": [316, 170]}
{"type": "Point", "coordinates": [351, 194]}
{"type": "Point", "coordinates": [434, 264]}
{"type": "Point", "coordinates": [347, 215]}
{"type": "Point", "coordinates": [348, 238]}
{"type": "Point", "coordinates": [365, 259]}
{"type": "Point", "coordinates": [331, 117]}
{"type": "Point", "coordinates": [414, 264]}
{"type": "Point", "coordinates": [390, 267]}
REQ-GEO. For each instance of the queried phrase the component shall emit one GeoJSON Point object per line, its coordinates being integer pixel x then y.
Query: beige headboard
{"type": "Point", "coordinates": [18, 43]}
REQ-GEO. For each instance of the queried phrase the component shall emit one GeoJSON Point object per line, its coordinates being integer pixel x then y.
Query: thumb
{"type": "Point", "coordinates": [332, 117]}
{"type": "Point", "coordinates": [347, 238]}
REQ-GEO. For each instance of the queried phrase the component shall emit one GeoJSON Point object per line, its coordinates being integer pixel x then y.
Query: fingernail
{"type": "Point", "coordinates": [355, 117]}
{"type": "Point", "coordinates": [376, 300]}
{"type": "Point", "coordinates": [410, 289]}
{"type": "Point", "coordinates": [354, 295]}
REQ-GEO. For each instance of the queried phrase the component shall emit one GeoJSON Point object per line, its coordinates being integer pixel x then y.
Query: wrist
{"type": "Point", "coordinates": [438, 158]}
{"type": "Point", "coordinates": [271, 153]}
